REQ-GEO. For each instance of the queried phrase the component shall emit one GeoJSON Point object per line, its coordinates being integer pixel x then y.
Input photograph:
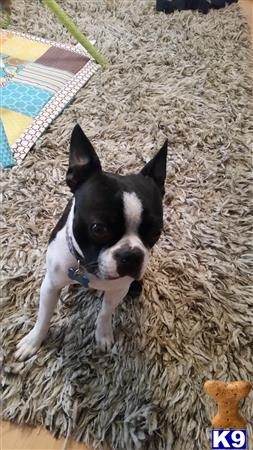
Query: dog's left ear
{"type": "Point", "coordinates": [156, 168]}
{"type": "Point", "coordinates": [83, 160]}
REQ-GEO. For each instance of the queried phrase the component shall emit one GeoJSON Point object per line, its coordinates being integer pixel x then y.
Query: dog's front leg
{"type": "Point", "coordinates": [104, 331]}
{"type": "Point", "coordinates": [49, 294]}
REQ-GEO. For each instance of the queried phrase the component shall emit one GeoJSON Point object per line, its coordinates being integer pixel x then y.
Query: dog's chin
{"type": "Point", "coordinates": [104, 275]}
{"type": "Point", "coordinates": [113, 278]}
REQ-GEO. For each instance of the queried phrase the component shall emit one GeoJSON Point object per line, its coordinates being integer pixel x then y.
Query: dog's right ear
{"type": "Point", "coordinates": [83, 160]}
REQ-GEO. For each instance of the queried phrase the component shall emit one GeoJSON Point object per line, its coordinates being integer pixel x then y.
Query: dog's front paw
{"type": "Point", "coordinates": [29, 345]}
{"type": "Point", "coordinates": [104, 336]}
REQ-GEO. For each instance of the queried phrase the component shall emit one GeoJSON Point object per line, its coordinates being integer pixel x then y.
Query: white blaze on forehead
{"type": "Point", "coordinates": [132, 211]}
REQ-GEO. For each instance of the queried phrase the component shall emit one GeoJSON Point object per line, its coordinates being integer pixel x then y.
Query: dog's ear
{"type": "Point", "coordinates": [156, 168]}
{"type": "Point", "coordinates": [83, 160]}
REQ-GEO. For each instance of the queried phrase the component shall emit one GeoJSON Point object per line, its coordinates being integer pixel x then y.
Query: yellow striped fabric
{"type": "Point", "coordinates": [43, 77]}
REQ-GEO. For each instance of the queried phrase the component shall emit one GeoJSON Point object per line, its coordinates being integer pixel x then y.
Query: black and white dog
{"type": "Point", "coordinates": [103, 238]}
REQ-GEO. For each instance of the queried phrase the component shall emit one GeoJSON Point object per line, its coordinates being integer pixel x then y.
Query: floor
{"type": "Point", "coordinates": [13, 437]}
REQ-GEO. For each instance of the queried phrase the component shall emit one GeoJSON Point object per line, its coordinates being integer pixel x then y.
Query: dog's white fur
{"type": "Point", "coordinates": [132, 210]}
{"type": "Point", "coordinates": [59, 260]}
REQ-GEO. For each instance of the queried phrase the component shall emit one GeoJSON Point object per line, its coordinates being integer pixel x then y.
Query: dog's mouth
{"type": "Point", "coordinates": [113, 278]}
{"type": "Point", "coordinates": [103, 273]}
{"type": "Point", "coordinates": [103, 276]}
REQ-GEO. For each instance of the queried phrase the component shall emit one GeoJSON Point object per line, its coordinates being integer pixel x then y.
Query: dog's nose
{"type": "Point", "coordinates": [134, 256]}
{"type": "Point", "coordinates": [129, 262]}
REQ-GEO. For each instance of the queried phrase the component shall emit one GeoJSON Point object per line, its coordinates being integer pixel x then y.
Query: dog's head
{"type": "Point", "coordinates": [117, 219]}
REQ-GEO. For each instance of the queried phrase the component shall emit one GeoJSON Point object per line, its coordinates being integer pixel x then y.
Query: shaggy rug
{"type": "Point", "coordinates": [183, 76]}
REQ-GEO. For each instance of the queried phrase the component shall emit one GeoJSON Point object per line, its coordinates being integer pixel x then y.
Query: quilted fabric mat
{"type": "Point", "coordinates": [38, 79]}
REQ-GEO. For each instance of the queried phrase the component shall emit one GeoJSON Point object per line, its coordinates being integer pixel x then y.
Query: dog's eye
{"type": "Point", "coordinates": [99, 230]}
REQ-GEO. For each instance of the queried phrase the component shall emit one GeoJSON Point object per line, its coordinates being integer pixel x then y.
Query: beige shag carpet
{"type": "Point", "coordinates": [184, 76]}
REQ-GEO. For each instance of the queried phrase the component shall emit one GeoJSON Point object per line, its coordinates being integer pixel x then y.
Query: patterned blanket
{"type": "Point", "coordinates": [38, 79]}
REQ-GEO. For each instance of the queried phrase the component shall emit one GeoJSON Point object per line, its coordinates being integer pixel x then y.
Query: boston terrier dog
{"type": "Point", "coordinates": [103, 239]}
